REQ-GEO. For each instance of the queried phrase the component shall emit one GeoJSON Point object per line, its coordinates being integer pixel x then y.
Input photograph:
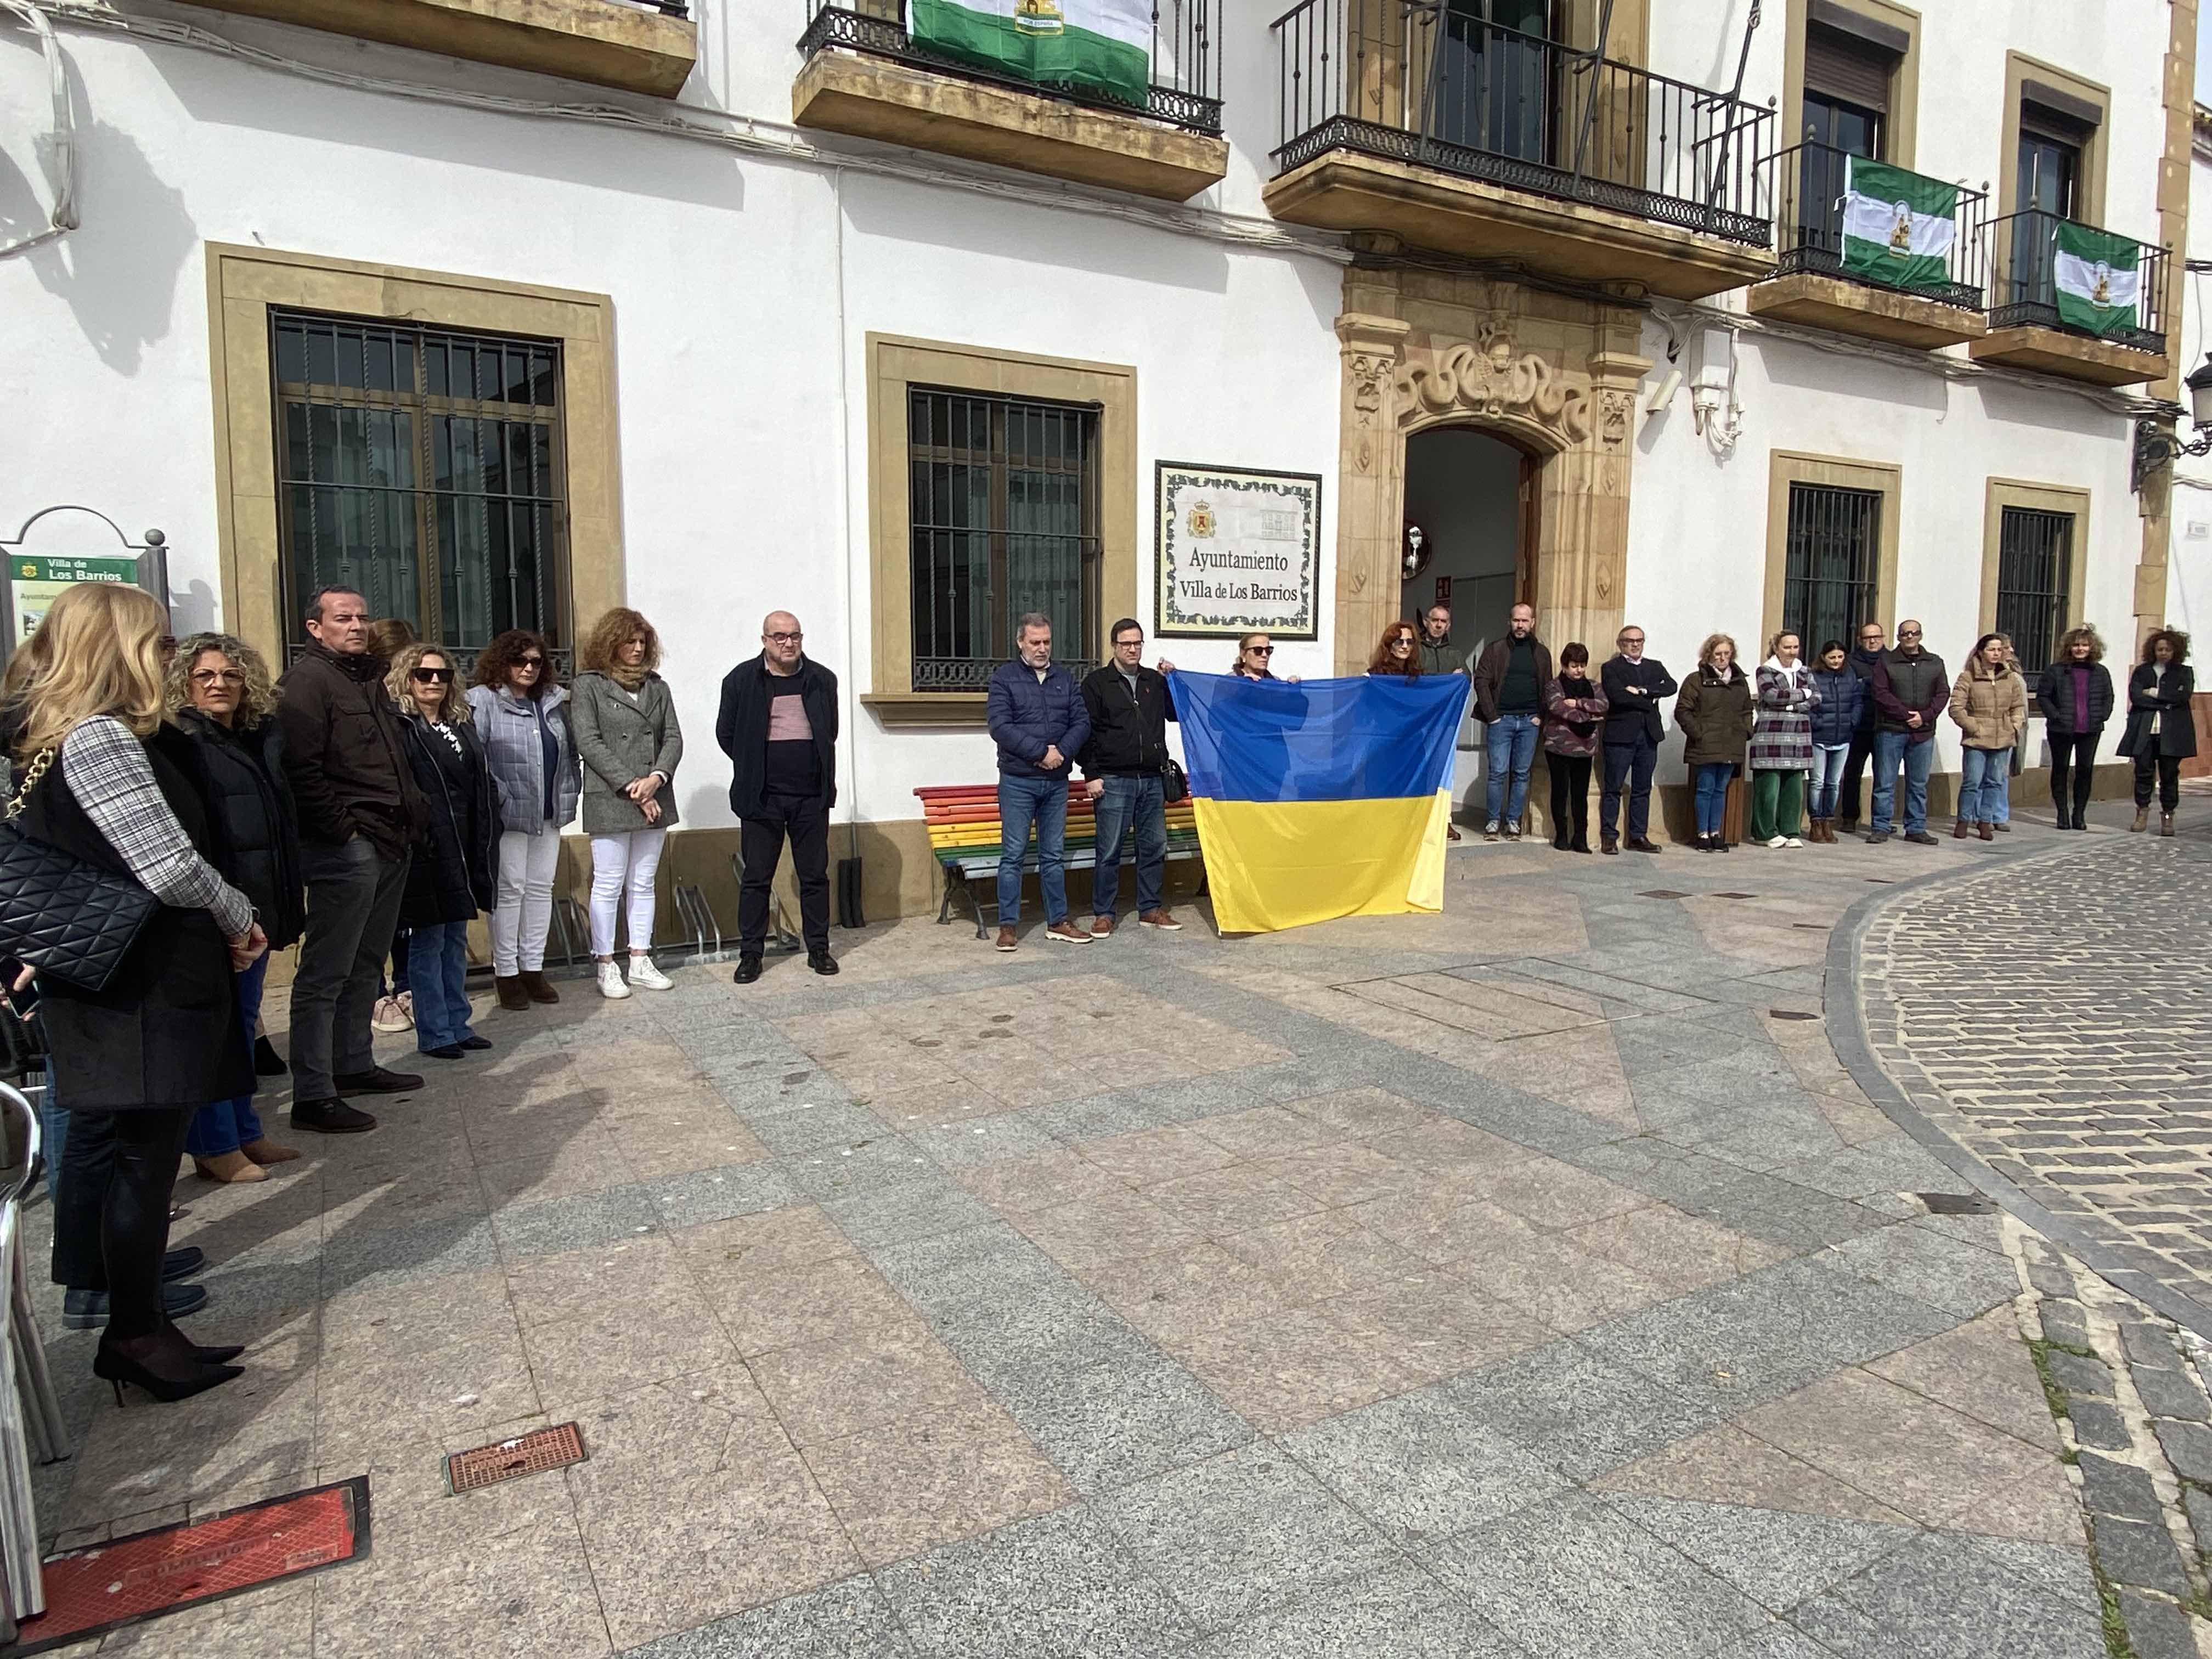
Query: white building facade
{"type": "Point", "coordinates": [508, 313]}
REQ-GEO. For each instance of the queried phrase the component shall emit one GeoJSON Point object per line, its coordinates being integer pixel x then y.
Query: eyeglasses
{"type": "Point", "coordinates": [1908, 633]}
{"type": "Point", "coordinates": [783, 639]}
{"type": "Point", "coordinates": [428, 676]}
{"type": "Point", "coordinates": [217, 676]}
{"type": "Point", "coordinates": [530, 662]}
{"type": "Point", "coordinates": [1631, 639]}
{"type": "Point", "coordinates": [1259, 650]}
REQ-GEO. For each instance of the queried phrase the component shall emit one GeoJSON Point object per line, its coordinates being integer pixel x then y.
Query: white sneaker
{"type": "Point", "coordinates": [1779, 841]}
{"type": "Point", "coordinates": [610, 981]}
{"type": "Point", "coordinates": [1792, 841]}
{"type": "Point", "coordinates": [390, 1014]}
{"type": "Point", "coordinates": [644, 976]}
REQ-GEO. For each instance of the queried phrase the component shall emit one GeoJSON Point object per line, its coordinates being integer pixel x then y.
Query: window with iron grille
{"type": "Point", "coordinates": [1004, 504]}
{"type": "Point", "coordinates": [2035, 570]}
{"type": "Point", "coordinates": [423, 467]}
{"type": "Point", "coordinates": [1832, 558]}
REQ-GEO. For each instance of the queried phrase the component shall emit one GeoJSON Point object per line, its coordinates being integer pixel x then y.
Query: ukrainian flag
{"type": "Point", "coordinates": [1330, 797]}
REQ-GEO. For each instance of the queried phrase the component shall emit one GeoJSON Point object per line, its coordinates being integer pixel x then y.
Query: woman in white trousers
{"type": "Point", "coordinates": [519, 712]}
{"type": "Point", "coordinates": [629, 741]}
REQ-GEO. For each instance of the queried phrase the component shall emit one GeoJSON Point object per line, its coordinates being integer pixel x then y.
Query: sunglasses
{"type": "Point", "coordinates": [1908, 633]}
{"type": "Point", "coordinates": [217, 676]}
{"type": "Point", "coordinates": [433, 675]}
{"type": "Point", "coordinates": [530, 662]}
{"type": "Point", "coordinates": [1259, 650]}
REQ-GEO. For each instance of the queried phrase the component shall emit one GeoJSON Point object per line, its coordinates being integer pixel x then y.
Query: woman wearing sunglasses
{"type": "Point", "coordinates": [450, 877]}
{"type": "Point", "coordinates": [1255, 653]}
{"type": "Point", "coordinates": [517, 708]}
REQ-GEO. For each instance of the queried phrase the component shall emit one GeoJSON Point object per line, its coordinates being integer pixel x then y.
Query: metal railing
{"type": "Point", "coordinates": [1810, 181]}
{"type": "Point", "coordinates": [1186, 56]}
{"type": "Point", "coordinates": [1410, 81]}
{"type": "Point", "coordinates": [2023, 262]}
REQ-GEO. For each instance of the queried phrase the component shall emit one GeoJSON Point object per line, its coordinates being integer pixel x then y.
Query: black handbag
{"type": "Point", "coordinates": [1175, 785]}
{"type": "Point", "coordinates": [67, 918]}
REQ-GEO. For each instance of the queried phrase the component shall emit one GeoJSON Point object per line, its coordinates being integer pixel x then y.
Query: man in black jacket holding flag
{"type": "Point", "coordinates": [1122, 761]}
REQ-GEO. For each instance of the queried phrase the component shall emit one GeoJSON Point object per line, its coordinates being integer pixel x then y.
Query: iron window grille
{"type": "Point", "coordinates": [2035, 569]}
{"type": "Point", "coordinates": [425, 468]}
{"type": "Point", "coordinates": [1004, 505]}
{"type": "Point", "coordinates": [1830, 562]}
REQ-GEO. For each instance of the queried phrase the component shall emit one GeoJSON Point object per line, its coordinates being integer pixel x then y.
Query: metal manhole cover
{"type": "Point", "coordinates": [1957, 1203]}
{"type": "Point", "coordinates": [1662, 892]}
{"type": "Point", "coordinates": [1790, 1013]}
{"type": "Point", "coordinates": [529, 1454]}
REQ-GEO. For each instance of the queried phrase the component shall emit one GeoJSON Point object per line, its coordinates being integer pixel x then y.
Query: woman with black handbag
{"type": "Point", "coordinates": [143, 1042]}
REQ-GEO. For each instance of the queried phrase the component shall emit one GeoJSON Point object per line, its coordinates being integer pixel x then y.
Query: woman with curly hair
{"type": "Point", "coordinates": [1715, 711]}
{"type": "Point", "coordinates": [2161, 724]}
{"type": "Point", "coordinates": [451, 877]}
{"type": "Point", "coordinates": [517, 707]}
{"type": "Point", "coordinates": [2076, 697]}
{"type": "Point", "coordinates": [219, 693]}
{"type": "Point", "coordinates": [628, 738]}
{"type": "Point", "coordinates": [1398, 652]}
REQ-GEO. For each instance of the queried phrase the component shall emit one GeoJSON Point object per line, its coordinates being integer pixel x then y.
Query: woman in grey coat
{"type": "Point", "coordinates": [627, 737]}
{"type": "Point", "coordinates": [518, 712]}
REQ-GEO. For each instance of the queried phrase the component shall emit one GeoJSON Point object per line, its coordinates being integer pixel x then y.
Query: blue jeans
{"type": "Point", "coordinates": [1510, 745]}
{"type": "Point", "coordinates": [1022, 802]}
{"type": "Point", "coordinates": [1891, 749]}
{"type": "Point", "coordinates": [1629, 764]}
{"type": "Point", "coordinates": [1827, 777]}
{"type": "Point", "coordinates": [1984, 781]}
{"type": "Point", "coordinates": [1145, 800]}
{"type": "Point", "coordinates": [1713, 794]}
{"type": "Point", "coordinates": [55, 1120]}
{"type": "Point", "coordinates": [438, 973]}
{"type": "Point", "coordinates": [227, 1125]}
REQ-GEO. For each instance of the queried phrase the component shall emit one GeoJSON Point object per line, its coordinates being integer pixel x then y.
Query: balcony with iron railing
{"type": "Point", "coordinates": [2069, 299]}
{"type": "Point", "coordinates": [877, 70]}
{"type": "Point", "coordinates": [1916, 278]}
{"type": "Point", "coordinates": [1401, 116]}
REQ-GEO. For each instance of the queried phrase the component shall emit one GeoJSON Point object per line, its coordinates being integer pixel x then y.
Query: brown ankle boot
{"type": "Point", "coordinates": [2142, 817]}
{"type": "Point", "coordinates": [1962, 828]}
{"type": "Point", "coordinates": [2166, 824]}
{"type": "Point", "coordinates": [538, 988]}
{"type": "Point", "coordinates": [1986, 830]}
{"type": "Point", "coordinates": [512, 996]}
{"type": "Point", "coordinates": [229, 1167]}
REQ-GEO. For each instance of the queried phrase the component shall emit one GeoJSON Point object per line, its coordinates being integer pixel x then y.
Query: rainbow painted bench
{"type": "Point", "coordinates": [964, 832]}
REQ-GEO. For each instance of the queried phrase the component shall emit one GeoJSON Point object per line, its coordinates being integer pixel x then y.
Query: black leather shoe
{"type": "Point", "coordinates": [822, 962]}
{"type": "Point", "coordinates": [267, 1062]}
{"type": "Point", "coordinates": [447, 1051]}
{"type": "Point", "coordinates": [749, 969]}
{"type": "Point", "coordinates": [1642, 844]}
{"type": "Point", "coordinates": [331, 1117]}
{"type": "Point", "coordinates": [182, 1263]}
{"type": "Point", "coordinates": [476, 1044]}
{"type": "Point", "coordinates": [376, 1081]}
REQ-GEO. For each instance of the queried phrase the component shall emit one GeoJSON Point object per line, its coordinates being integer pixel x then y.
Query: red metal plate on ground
{"type": "Point", "coordinates": [526, 1453]}
{"type": "Point", "coordinates": [127, 1580]}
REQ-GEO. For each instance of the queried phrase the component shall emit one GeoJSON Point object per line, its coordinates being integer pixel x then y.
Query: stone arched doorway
{"type": "Point", "coordinates": [1554, 376]}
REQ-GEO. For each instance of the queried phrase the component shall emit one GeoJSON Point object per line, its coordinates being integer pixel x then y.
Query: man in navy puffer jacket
{"type": "Point", "coordinates": [1038, 720]}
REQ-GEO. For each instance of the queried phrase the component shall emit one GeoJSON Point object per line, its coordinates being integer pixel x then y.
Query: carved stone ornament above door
{"type": "Point", "coordinates": [1489, 379]}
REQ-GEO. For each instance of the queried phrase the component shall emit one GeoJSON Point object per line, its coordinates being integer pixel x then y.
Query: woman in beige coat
{"type": "Point", "coordinates": [1989, 703]}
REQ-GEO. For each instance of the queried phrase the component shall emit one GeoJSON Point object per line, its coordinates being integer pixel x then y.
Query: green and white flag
{"type": "Point", "coordinates": [1898, 226]}
{"type": "Point", "coordinates": [2096, 276]}
{"type": "Point", "coordinates": [1098, 45]}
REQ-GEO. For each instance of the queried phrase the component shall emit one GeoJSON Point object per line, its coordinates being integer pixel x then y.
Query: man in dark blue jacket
{"type": "Point", "coordinates": [1039, 722]}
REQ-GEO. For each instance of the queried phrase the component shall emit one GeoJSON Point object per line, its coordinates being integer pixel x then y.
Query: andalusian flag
{"type": "Point", "coordinates": [1102, 46]}
{"type": "Point", "coordinates": [1898, 226]}
{"type": "Point", "coordinates": [1320, 800]}
{"type": "Point", "coordinates": [2095, 274]}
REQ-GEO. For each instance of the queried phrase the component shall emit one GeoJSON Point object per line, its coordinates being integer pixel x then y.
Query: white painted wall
{"type": "Point", "coordinates": [2188, 572]}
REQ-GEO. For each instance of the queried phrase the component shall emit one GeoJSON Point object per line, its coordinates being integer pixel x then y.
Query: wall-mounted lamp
{"type": "Point", "coordinates": [2156, 446]}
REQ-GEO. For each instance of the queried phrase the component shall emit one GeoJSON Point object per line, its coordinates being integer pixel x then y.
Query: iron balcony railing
{"type": "Point", "coordinates": [2026, 270]}
{"type": "Point", "coordinates": [1411, 80]}
{"type": "Point", "coordinates": [1810, 184]}
{"type": "Point", "coordinates": [1186, 56]}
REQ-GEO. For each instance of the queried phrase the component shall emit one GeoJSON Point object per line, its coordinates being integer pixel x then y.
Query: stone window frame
{"type": "Point", "coordinates": [1785, 467]}
{"type": "Point", "coordinates": [2001, 493]}
{"type": "Point", "coordinates": [2019, 70]}
{"type": "Point", "coordinates": [1902, 123]}
{"type": "Point", "coordinates": [245, 284]}
{"type": "Point", "coordinates": [894, 362]}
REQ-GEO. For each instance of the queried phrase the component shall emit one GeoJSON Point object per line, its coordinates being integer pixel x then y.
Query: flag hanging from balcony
{"type": "Point", "coordinates": [1898, 226]}
{"type": "Point", "coordinates": [1326, 798]}
{"type": "Point", "coordinates": [2098, 281]}
{"type": "Point", "coordinates": [1093, 45]}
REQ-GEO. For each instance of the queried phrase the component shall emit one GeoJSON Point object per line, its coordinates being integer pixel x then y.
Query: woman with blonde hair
{"type": "Point", "coordinates": [220, 695]}
{"type": "Point", "coordinates": [2076, 697]}
{"type": "Point", "coordinates": [626, 737]}
{"type": "Point", "coordinates": [101, 776]}
{"type": "Point", "coordinates": [1781, 751]}
{"type": "Point", "coordinates": [1714, 709]}
{"type": "Point", "coordinates": [454, 872]}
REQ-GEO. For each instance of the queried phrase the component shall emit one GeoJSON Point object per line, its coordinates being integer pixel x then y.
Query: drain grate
{"type": "Point", "coordinates": [1790, 1013]}
{"type": "Point", "coordinates": [529, 1454]}
{"type": "Point", "coordinates": [1662, 892]}
{"type": "Point", "coordinates": [1957, 1203]}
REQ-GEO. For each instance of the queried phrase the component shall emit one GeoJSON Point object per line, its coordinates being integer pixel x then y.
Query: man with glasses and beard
{"type": "Point", "coordinates": [1912, 688]}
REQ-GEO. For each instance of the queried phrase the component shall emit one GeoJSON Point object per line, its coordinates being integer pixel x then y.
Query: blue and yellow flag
{"type": "Point", "coordinates": [1330, 797]}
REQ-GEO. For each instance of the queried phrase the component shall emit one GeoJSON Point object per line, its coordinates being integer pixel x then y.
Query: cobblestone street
{"type": "Point", "coordinates": [1534, 1281]}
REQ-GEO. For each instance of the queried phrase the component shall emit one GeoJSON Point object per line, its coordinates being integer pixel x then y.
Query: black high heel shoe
{"type": "Point", "coordinates": [215, 1356]}
{"type": "Point", "coordinates": [117, 1370]}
